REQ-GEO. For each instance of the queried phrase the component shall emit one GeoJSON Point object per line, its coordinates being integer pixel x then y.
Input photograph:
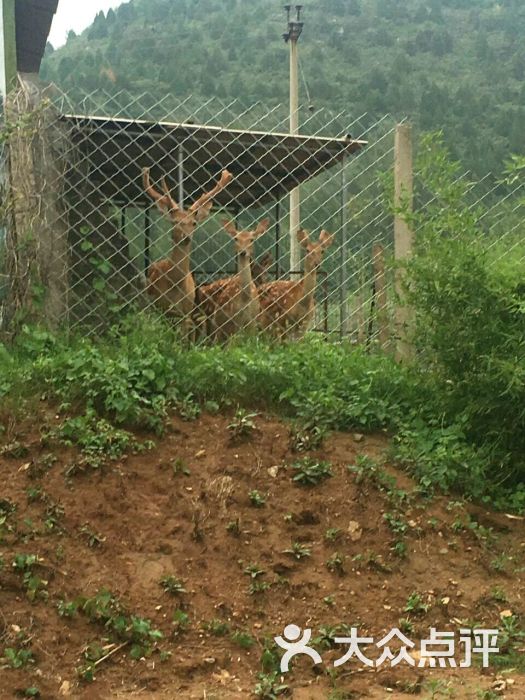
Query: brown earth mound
{"type": "Point", "coordinates": [355, 550]}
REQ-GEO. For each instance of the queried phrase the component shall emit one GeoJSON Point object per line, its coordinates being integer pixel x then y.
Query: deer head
{"type": "Point", "coordinates": [184, 220]}
{"type": "Point", "coordinates": [314, 251]}
{"type": "Point", "coordinates": [261, 268]}
{"type": "Point", "coordinates": [244, 240]}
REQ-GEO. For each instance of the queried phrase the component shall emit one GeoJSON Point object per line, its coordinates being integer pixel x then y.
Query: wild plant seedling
{"type": "Point", "coordinates": [243, 639]}
{"type": "Point", "coordinates": [269, 686]}
{"type": "Point", "coordinates": [234, 527]}
{"type": "Point", "coordinates": [310, 472]}
{"type": "Point", "coordinates": [218, 628]}
{"type": "Point", "coordinates": [257, 587]}
{"type": "Point", "coordinates": [257, 499]}
{"type": "Point", "coordinates": [304, 438]}
{"type": "Point", "coordinates": [66, 609]}
{"type": "Point", "coordinates": [333, 534]}
{"type": "Point", "coordinates": [398, 526]}
{"type": "Point", "coordinates": [93, 538]}
{"type": "Point", "coordinates": [179, 466]}
{"type": "Point", "coordinates": [253, 571]}
{"type": "Point", "coordinates": [242, 426]}
{"type": "Point", "coordinates": [172, 585]}
{"type": "Point", "coordinates": [406, 625]}
{"type": "Point", "coordinates": [415, 604]}
{"type": "Point", "coordinates": [400, 549]}
{"type": "Point", "coordinates": [180, 622]}
{"type": "Point", "coordinates": [336, 564]}
{"type": "Point", "coordinates": [298, 551]}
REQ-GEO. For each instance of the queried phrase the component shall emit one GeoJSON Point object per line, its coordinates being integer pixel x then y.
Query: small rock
{"type": "Point", "coordinates": [273, 471]}
{"type": "Point", "coordinates": [445, 601]}
{"type": "Point", "coordinates": [65, 689]}
{"type": "Point", "coordinates": [355, 530]}
{"type": "Point", "coordinates": [358, 437]}
{"type": "Point", "coordinates": [499, 685]}
{"type": "Point", "coordinates": [209, 660]}
{"type": "Point", "coordinates": [444, 550]}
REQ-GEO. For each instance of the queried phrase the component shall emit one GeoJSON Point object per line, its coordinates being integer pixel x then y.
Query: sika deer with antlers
{"type": "Point", "coordinates": [288, 307]}
{"type": "Point", "coordinates": [170, 282]}
{"type": "Point", "coordinates": [232, 304]}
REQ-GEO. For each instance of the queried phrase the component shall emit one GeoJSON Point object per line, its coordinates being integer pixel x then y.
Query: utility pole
{"type": "Point", "coordinates": [295, 29]}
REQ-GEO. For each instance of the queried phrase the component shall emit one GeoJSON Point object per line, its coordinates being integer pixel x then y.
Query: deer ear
{"type": "Point", "coordinates": [303, 237]}
{"type": "Point", "coordinates": [262, 227]}
{"type": "Point", "coordinates": [226, 178]}
{"type": "Point", "coordinates": [326, 239]}
{"type": "Point", "coordinates": [229, 226]}
{"type": "Point", "coordinates": [203, 212]}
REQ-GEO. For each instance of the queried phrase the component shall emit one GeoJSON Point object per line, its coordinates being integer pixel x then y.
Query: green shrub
{"type": "Point", "coordinates": [468, 292]}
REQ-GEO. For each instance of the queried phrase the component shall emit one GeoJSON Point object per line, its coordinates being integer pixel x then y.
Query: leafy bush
{"type": "Point", "coordinates": [468, 293]}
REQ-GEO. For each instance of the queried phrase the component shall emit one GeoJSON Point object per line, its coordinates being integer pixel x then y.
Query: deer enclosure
{"type": "Point", "coordinates": [183, 210]}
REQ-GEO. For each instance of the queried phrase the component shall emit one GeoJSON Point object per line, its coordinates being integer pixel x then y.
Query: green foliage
{"type": "Point", "coordinates": [181, 621]}
{"type": "Point", "coordinates": [336, 564]}
{"type": "Point", "coordinates": [257, 499]}
{"type": "Point", "coordinates": [172, 585]}
{"type": "Point", "coordinates": [105, 608]}
{"type": "Point", "coordinates": [468, 294]}
{"type": "Point", "coordinates": [298, 551]}
{"type": "Point", "coordinates": [218, 628]}
{"type": "Point", "coordinates": [243, 639]}
{"type": "Point", "coordinates": [269, 686]}
{"type": "Point", "coordinates": [124, 379]}
{"type": "Point", "coordinates": [445, 64]}
{"type": "Point", "coordinates": [310, 472]}
{"type": "Point", "coordinates": [18, 658]}
{"type": "Point", "coordinates": [242, 426]}
{"type": "Point", "coordinates": [66, 609]}
{"type": "Point", "coordinates": [415, 604]}
{"type": "Point", "coordinates": [96, 437]}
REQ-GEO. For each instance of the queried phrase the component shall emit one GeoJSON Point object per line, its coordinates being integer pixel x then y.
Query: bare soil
{"type": "Point", "coordinates": [155, 521]}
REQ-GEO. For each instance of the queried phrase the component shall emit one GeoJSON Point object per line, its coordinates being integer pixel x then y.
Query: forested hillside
{"type": "Point", "coordinates": [452, 64]}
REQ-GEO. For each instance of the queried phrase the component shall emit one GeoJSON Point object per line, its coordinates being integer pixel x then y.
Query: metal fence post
{"type": "Point", "coordinates": [381, 297]}
{"type": "Point", "coordinates": [344, 308]}
{"type": "Point", "coordinates": [403, 235]}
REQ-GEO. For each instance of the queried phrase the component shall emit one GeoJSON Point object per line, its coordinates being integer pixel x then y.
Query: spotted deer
{"type": "Point", "coordinates": [170, 282]}
{"type": "Point", "coordinates": [287, 306]}
{"type": "Point", "coordinates": [231, 305]}
{"type": "Point", "coordinates": [261, 269]}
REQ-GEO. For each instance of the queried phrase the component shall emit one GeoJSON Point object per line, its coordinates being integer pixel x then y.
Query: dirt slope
{"type": "Point", "coordinates": [183, 509]}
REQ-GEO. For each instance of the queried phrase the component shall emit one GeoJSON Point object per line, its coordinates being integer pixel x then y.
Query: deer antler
{"type": "Point", "coordinates": [226, 178]}
{"type": "Point", "coordinates": [165, 202]}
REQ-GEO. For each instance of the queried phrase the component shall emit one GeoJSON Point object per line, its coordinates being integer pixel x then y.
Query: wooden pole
{"type": "Point", "coordinates": [403, 235]}
{"type": "Point", "coordinates": [378, 259]}
{"type": "Point", "coordinates": [8, 47]}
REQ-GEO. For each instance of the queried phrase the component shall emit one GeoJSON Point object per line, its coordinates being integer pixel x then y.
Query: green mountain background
{"type": "Point", "coordinates": [455, 65]}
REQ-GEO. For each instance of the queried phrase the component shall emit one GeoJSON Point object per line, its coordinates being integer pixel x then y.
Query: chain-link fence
{"type": "Point", "coordinates": [183, 209]}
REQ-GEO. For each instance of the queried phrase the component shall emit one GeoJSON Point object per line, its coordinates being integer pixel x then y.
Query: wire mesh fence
{"type": "Point", "coordinates": [182, 208]}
